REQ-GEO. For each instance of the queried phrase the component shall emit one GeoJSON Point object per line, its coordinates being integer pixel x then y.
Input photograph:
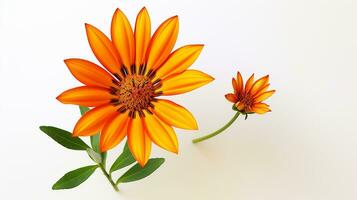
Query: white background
{"type": "Point", "coordinates": [306, 149]}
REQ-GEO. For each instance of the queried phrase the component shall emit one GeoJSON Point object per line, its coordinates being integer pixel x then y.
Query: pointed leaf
{"type": "Point", "coordinates": [74, 178]}
{"type": "Point", "coordinates": [83, 109]}
{"type": "Point", "coordinates": [96, 157]}
{"type": "Point", "coordinates": [64, 138]}
{"type": "Point", "coordinates": [94, 141]}
{"type": "Point", "coordinates": [124, 159]}
{"type": "Point", "coordinates": [137, 172]}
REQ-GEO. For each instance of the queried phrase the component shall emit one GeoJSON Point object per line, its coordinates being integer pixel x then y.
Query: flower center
{"type": "Point", "coordinates": [246, 102]}
{"type": "Point", "coordinates": [135, 93]}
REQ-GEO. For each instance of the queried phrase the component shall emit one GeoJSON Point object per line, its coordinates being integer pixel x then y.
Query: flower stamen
{"type": "Point", "coordinates": [135, 93]}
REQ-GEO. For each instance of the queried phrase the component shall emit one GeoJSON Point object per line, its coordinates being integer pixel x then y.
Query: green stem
{"type": "Point", "coordinates": [109, 177]}
{"type": "Point", "coordinates": [200, 139]}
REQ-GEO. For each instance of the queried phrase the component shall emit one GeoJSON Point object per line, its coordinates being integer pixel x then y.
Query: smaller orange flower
{"type": "Point", "coordinates": [246, 99]}
{"type": "Point", "coordinates": [249, 98]}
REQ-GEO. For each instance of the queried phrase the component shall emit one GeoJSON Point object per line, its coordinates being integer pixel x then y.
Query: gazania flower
{"type": "Point", "coordinates": [246, 99]}
{"type": "Point", "coordinates": [138, 69]}
{"type": "Point", "coordinates": [249, 98]}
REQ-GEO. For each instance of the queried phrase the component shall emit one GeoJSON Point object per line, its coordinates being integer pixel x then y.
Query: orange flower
{"type": "Point", "coordinates": [138, 69]}
{"type": "Point", "coordinates": [249, 98]}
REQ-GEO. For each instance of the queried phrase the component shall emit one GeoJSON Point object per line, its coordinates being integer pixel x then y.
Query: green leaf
{"type": "Point", "coordinates": [137, 172]}
{"type": "Point", "coordinates": [104, 157]}
{"type": "Point", "coordinates": [94, 141]}
{"type": "Point", "coordinates": [74, 178]}
{"type": "Point", "coordinates": [83, 109]}
{"type": "Point", "coordinates": [64, 138]}
{"type": "Point", "coordinates": [123, 160]}
{"type": "Point", "coordinates": [96, 157]}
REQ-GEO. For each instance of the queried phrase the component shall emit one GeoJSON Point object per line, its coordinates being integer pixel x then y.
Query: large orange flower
{"type": "Point", "coordinates": [138, 69]}
{"type": "Point", "coordinates": [249, 98]}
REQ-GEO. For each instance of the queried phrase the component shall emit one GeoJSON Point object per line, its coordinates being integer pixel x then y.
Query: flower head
{"type": "Point", "coordinates": [138, 69]}
{"type": "Point", "coordinates": [249, 98]}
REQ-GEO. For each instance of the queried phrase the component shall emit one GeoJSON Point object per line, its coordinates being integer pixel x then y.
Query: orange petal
{"type": "Point", "coordinates": [184, 82]}
{"type": "Point", "coordinates": [103, 49]}
{"type": "Point", "coordinates": [161, 133]}
{"type": "Point", "coordinates": [259, 84]}
{"type": "Point", "coordinates": [249, 83]}
{"type": "Point", "coordinates": [260, 108]}
{"type": "Point", "coordinates": [89, 73]}
{"type": "Point", "coordinates": [179, 60]}
{"type": "Point", "coordinates": [261, 91]}
{"type": "Point", "coordinates": [138, 140]}
{"type": "Point", "coordinates": [264, 96]}
{"type": "Point", "coordinates": [240, 83]}
{"type": "Point", "coordinates": [235, 85]}
{"type": "Point", "coordinates": [123, 37]}
{"type": "Point", "coordinates": [86, 96]}
{"type": "Point", "coordinates": [231, 97]}
{"type": "Point", "coordinates": [240, 106]}
{"type": "Point", "coordinates": [142, 37]}
{"type": "Point", "coordinates": [174, 114]}
{"type": "Point", "coordinates": [113, 131]}
{"type": "Point", "coordinates": [162, 42]}
{"type": "Point", "coordinates": [92, 121]}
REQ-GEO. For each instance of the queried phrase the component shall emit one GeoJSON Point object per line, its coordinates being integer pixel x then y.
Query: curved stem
{"type": "Point", "coordinates": [109, 177]}
{"type": "Point", "coordinates": [200, 139]}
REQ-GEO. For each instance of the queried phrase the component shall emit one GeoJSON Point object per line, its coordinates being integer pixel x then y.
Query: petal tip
{"type": "Point", "coordinates": [211, 78]}
{"type": "Point", "coordinates": [103, 148]}
{"type": "Point", "coordinates": [143, 9]}
{"type": "Point", "coordinates": [199, 46]}
{"type": "Point", "coordinates": [116, 11]}
{"type": "Point", "coordinates": [174, 19]}
{"type": "Point", "coordinates": [195, 126]}
{"type": "Point", "coordinates": [60, 98]}
{"type": "Point", "coordinates": [75, 134]}
{"type": "Point", "coordinates": [142, 163]}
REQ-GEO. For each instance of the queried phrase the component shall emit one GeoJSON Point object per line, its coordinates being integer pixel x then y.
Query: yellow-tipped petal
{"type": "Point", "coordinates": [86, 96]}
{"type": "Point", "coordinates": [231, 97]}
{"type": "Point", "coordinates": [174, 114]}
{"type": "Point", "coordinates": [162, 43]}
{"type": "Point", "coordinates": [264, 96]}
{"type": "Point", "coordinates": [260, 108]}
{"type": "Point", "coordinates": [92, 121]}
{"type": "Point", "coordinates": [138, 141]}
{"type": "Point", "coordinates": [249, 83]}
{"type": "Point", "coordinates": [184, 82]}
{"type": "Point", "coordinates": [261, 91]}
{"type": "Point", "coordinates": [179, 60]}
{"type": "Point", "coordinates": [88, 73]}
{"type": "Point", "coordinates": [113, 131]}
{"type": "Point", "coordinates": [142, 37]}
{"type": "Point", "coordinates": [103, 49]}
{"type": "Point", "coordinates": [259, 84]}
{"type": "Point", "coordinates": [161, 133]}
{"type": "Point", "coordinates": [123, 38]}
